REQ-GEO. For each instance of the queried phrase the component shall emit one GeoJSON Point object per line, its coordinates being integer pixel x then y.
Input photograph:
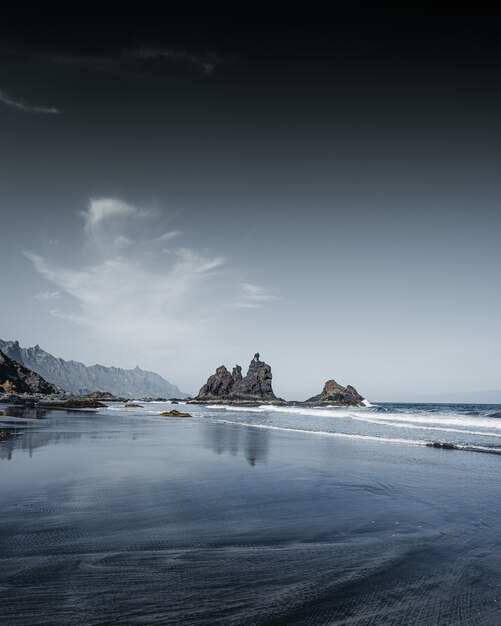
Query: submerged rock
{"type": "Point", "coordinates": [334, 393]}
{"type": "Point", "coordinates": [254, 387]}
{"type": "Point", "coordinates": [5, 434]}
{"type": "Point", "coordinates": [131, 405]}
{"type": "Point", "coordinates": [174, 413]}
{"type": "Point", "coordinates": [442, 445]}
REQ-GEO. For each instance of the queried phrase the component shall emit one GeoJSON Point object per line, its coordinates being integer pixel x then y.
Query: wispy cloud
{"type": "Point", "coordinates": [105, 208]}
{"type": "Point", "coordinates": [130, 292]}
{"type": "Point", "coordinates": [15, 103]}
{"type": "Point", "coordinates": [48, 295]}
{"type": "Point", "coordinates": [130, 283]}
{"type": "Point", "coordinates": [255, 296]}
{"type": "Point", "coordinates": [206, 62]}
{"type": "Point", "coordinates": [143, 61]}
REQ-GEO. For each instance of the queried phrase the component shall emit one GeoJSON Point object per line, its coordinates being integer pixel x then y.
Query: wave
{"type": "Point", "coordinates": [411, 420]}
{"type": "Point", "coordinates": [376, 438]}
{"type": "Point", "coordinates": [327, 433]}
{"type": "Point", "coordinates": [410, 425]}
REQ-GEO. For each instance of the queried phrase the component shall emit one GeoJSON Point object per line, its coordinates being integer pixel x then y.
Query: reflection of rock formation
{"type": "Point", "coordinates": [256, 445]}
{"type": "Point", "coordinates": [29, 440]}
{"type": "Point", "coordinates": [31, 413]}
{"type": "Point", "coordinates": [22, 437]}
{"type": "Point", "coordinates": [252, 442]}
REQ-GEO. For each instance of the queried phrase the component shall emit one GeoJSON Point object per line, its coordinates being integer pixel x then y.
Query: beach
{"type": "Point", "coordinates": [239, 516]}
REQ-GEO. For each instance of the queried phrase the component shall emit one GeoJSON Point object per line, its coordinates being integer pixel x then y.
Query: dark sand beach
{"type": "Point", "coordinates": [119, 517]}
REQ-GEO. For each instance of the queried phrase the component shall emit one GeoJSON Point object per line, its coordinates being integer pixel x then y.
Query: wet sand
{"type": "Point", "coordinates": [125, 520]}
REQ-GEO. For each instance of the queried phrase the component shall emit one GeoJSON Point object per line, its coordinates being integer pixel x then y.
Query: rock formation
{"type": "Point", "coordinates": [255, 386]}
{"type": "Point", "coordinates": [15, 378]}
{"type": "Point", "coordinates": [334, 393]}
{"type": "Point", "coordinates": [81, 379]}
{"type": "Point", "coordinates": [174, 413]}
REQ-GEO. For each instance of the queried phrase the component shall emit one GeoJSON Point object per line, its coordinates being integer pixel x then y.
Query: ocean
{"type": "Point", "coordinates": [265, 515]}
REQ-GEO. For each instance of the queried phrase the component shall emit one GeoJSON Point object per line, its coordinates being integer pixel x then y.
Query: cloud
{"type": "Point", "coordinates": [206, 62]}
{"type": "Point", "coordinates": [127, 291]}
{"type": "Point", "coordinates": [48, 295]}
{"type": "Point", "coordinates": [142, 62]}
{"type": "Point", "coordinates": [105, 208]}
{"type": "Point", "coordinates": [255, 296]}
{"type": "Point", "coordinates": [129, 284]}
{"type": "Point", "coordinates": [13, 103]}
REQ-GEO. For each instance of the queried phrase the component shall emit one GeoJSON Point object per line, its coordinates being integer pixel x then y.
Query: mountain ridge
{"type": "Point", "coordinates": [79, 378]}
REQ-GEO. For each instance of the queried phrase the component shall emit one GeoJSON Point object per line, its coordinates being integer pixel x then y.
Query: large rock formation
{"type": "Point", "coordinates": [81, 379]}
{"type": "Point", "coordinates": [334, 393]}
{"type": "Point", "coordinates": [15, 378]}
{"type": "Point", "coordinates": [255, 386]}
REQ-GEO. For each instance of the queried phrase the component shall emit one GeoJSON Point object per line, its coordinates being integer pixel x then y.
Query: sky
{"type": "Point", "coordinates": [180, 192]}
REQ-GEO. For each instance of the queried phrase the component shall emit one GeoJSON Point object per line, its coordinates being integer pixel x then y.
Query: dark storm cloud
{"type": "Point", "coordinates": [16, 103]}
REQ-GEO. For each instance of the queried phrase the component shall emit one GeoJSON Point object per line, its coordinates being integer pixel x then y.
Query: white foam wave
{"type": "Point", "coordinates": [326, 433]}
{"type": "Point", "coordinates": [483, 433]}
{"type": "Point", "coordinates": [389, 419]}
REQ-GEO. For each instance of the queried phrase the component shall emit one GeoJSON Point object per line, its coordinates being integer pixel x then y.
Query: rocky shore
{"type": "Point", "coordinates": [50, 401]}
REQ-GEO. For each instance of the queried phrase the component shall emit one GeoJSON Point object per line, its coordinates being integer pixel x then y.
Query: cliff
{"type": "Point", "coordinates": [15, 378]}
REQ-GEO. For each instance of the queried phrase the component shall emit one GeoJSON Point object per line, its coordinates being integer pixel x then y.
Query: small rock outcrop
{"type": "Point", "coordinates": [174, 413]}
{"type": "Point", "coordinates": [103, 396]}
{"type": "Point", "coordinates": [442, 445]}
{"type": "Point", "coordinates": [74, 402]}
{"type": "Point", "coordinates": [223, 387]}
{"type": "Point", "coordinates": [15, 378]}
{"type": "Point", "coordinates": [334, 393]}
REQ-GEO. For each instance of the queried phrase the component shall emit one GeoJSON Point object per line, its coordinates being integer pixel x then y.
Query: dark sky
{"type": "Point", "coordinates": [179, 191]}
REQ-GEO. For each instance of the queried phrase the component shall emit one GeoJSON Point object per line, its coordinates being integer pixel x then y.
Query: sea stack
{"type": "Point", "coordinates": [225, 388]}
{"type": "Point", "coordinates": [334, 393]}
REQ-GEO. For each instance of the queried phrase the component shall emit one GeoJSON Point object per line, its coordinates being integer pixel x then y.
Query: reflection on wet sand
{"type": "Point", "coordinates": [29, 440]}
{"type": "Point", "coordinates": [22, 435]}
{"type": "Point", "coordinates": [24, 412]}
{"type": "Point", "coordinates": [253, 443]}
